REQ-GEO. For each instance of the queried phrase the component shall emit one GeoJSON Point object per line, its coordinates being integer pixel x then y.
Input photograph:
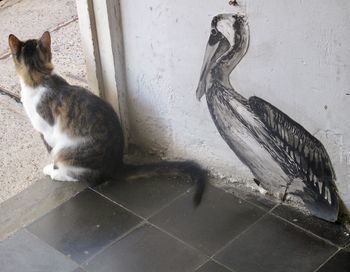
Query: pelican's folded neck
{"type": "Point", "coordinates": [223, 67]}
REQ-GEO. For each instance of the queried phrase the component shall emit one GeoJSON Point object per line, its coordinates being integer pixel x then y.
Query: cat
{"type": "Point", "coordinates": [81, 131]}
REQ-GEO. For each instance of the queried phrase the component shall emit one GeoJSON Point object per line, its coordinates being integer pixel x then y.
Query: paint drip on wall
{"type": "Point", "coordinates": [282, 155]}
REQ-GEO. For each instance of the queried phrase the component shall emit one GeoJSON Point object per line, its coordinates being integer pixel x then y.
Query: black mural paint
{"type": "Point", "coordinates": [283, 156]}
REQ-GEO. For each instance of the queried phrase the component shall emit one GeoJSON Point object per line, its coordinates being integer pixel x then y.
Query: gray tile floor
{"type": "Point", "coordinates": [150, 225]}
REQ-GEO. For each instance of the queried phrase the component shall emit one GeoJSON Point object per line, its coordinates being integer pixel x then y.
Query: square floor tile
{"type": "Point", "coordinates": [275, 245]}
{"type": "Point", "coordinates": [25, 252]}
{"type": "Point", "coordinates": [146, 249]}
{"type": "Point", "coordinates": [339, 263]}
{"type": "Point", "coordinates": [83, 225]}
{"type": "Point", "coordinates": [212, 266]}
{"type": "Point", "coordinates": [220, 217]}
{"type": "Point", "coordinates": [145, 195]}
{"type": "Point", "coordinates": [336, 233]}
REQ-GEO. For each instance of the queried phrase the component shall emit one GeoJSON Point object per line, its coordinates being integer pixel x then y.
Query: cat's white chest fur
{"type": "Point", "coordinates": [30, 98]}
{"type": "Point", "coordinates": [53, 134]}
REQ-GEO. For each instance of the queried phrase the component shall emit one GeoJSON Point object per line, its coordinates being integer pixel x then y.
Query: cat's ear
{"type": "Point", "coordinates": [45, 40]}
{"type": "Point", "coordinates": [15, 44]}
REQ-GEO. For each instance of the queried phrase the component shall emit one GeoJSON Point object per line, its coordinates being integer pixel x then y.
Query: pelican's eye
{"type": "Point", "coordinates": [214, 31]}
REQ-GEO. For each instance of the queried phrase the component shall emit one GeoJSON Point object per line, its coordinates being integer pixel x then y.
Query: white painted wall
{"type": "Point", "coordinates": [298, 60]}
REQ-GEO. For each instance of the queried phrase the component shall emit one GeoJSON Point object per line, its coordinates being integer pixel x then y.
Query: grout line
{"type": "Point", "coordinates": [201, 265]}
{"type": "Point", "coordinates": [257, 205]}
{"type": "Point", "coordinates": [215, 261]}
{"type": "Point", "coordinates": [118, 204]}
{"type": "Point", "coordinates": [347, 246]}
{"type": "Point", "coordinates": [304, 229]}
{"type": "Point", "coordinates": [168, 204]}
{"type": "Point", "coordinates": [119, 238]}
{"type": "Point", "coordinates": [228, 268]}
{"type": "Point", "coordinates": [307, 231]}
{"type": "Point", "coordinates": [178, 239]}
{"type": "Point", "coordinates": [326, 261]}
{"type": "Point", "coordinates": [134, 213]}
{"type": "Point", "coordinates": [274, 208]}
{"type": "Point", "coordinates": [244, 198]}
{"type": "Point", "coordinates": [238, 236]}
{"type": "Point", "coordinates": [254, 204]}
{"type": "Point", "coordinates": [283, 219]}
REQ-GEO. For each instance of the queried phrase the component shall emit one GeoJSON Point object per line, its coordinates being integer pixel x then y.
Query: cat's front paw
{"type": "Point", "coordinates": [48, 169]}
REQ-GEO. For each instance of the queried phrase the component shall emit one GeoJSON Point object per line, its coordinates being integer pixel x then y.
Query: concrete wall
{"type": "Point", "coordinates": [298, 60]}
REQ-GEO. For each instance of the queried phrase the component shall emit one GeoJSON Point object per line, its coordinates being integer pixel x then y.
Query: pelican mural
{"type": "Point", "coordinates": [282, 155]}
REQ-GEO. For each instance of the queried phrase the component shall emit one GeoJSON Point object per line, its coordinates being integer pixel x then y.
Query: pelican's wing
{"type": "Point", "coordinates": [316, 170]}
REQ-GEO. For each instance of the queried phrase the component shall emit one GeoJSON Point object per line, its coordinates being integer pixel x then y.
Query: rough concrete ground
{"type": "Point", "coordinates": [22, 154]}
{"type": "Point", "coordinates": [21, 150]}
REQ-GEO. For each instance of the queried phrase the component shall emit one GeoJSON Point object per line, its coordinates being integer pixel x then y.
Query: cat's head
{"type": "Point", "coordinates": [32, 58]}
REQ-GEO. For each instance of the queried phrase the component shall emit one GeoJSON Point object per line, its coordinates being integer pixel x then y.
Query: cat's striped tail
{"type": "Point", "coordinates": [190, 168]}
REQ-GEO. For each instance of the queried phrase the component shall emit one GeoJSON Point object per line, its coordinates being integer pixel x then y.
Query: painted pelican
{"type": "Point", "coordinates": [282, 155]}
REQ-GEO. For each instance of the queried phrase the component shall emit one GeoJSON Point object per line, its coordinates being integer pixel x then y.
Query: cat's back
{"type": "Point", "coordinates": [80, 111]}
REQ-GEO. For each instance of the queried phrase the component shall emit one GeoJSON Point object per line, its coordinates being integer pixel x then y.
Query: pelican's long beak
{"type": "Point", "coordinates": [217, 44]}
{"type": "Point", "coordinates": [206, 66]}
{"type": "Point", "coordinates": [222, 38]}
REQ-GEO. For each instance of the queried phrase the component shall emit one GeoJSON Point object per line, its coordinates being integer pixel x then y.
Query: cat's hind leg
{"type": "Point", "coordinates": [47, 170]}
{"type": "Point", "coordinates": [62, 172]}
{"type": "Point", "coordinates": [82, 162]}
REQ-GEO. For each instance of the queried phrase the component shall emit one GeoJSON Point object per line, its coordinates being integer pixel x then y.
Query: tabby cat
{"type": "Point", "coordinates": [81, 131]}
